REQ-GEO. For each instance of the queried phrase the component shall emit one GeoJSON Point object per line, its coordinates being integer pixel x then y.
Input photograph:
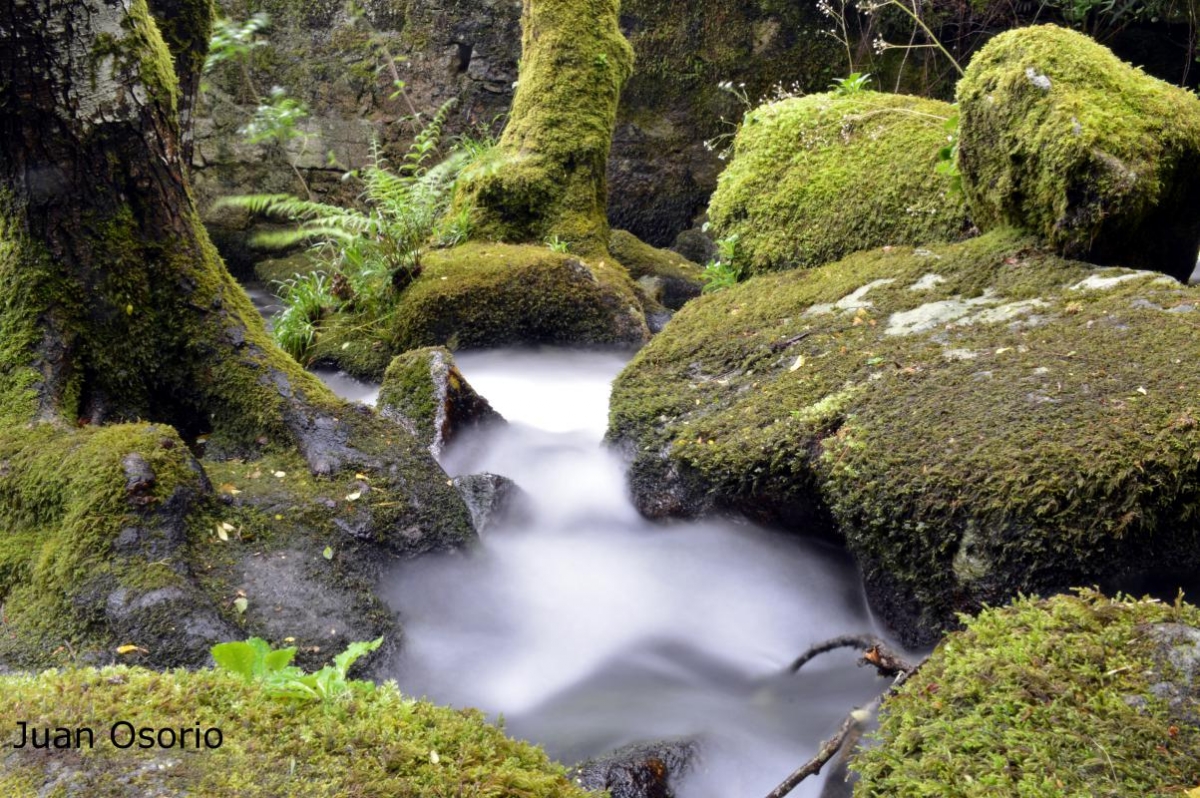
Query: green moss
{"type": "Point", "coordinates": [1061, 138]}
{"type": "Point", "coordinates": [815, 178]}
{"type": "Point", "coordinates": [141, 49]}
{"type": "Point", "coordinates": [550, 177]}
{"type": "Point", "coordinates": [379, 744]}
{"type": "Point", "coordinates": [669, 277]}
{"type": "Point", "coordinates": [486, 295]}
{"type": "Point", "coordinates": [409, 389]}
{"type": "Point", "coordinates": [1030, 437]}
{"type": "Point", "coordinates": [1041, 698]}
{"type": "Point", "coordinates": [65, 497]}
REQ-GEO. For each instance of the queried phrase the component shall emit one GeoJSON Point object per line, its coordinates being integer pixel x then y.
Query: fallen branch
{"type": "Point", "coordinates": [886, 661]}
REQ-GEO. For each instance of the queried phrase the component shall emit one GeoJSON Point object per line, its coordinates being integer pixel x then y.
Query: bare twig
{"type": "Point", "coordinates": [886, 660]}
{"type": "Point", "coordinates": [828, 749]}
{"type": "Point", "coordinates": [875, 653]}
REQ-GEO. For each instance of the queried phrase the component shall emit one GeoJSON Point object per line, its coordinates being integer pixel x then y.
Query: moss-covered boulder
{"type": "Point", "coordinates": [425, 392]}
{"type": "Point", "coordinates": [665, 276]}
{"type": "Point", "coordinates": [815, 178]}
{"type": "Point", "coordinates": [380, 743]}
{"type": "Point", "coordinates": [1061, 138]}
{"type": "Point", "coordinates": [93, 547]}
{"type": "Point", "coordinates": [1068, 696]}
{"type": "Point", "coordinates": [973, 419]}
{"type": "Point", "coordinates": [486, 295]}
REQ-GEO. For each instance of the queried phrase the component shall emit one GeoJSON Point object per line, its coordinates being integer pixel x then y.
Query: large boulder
{"type": "Point", "coordinates": [973, 419]}
{"type": "Point", "coordinates": [229, 737]}
{"type": "Point", "coordinates": [1056, 697]}
{"type": "Point", "coordinates": [486, 295]}
{"type": "Point", "coordinates": [1061, 138]}
{"type": "Point", "coordinates": [815, 178]}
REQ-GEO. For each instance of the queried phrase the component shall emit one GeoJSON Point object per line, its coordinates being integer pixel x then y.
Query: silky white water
{"type": "Point", "coordinates": [587, 627]}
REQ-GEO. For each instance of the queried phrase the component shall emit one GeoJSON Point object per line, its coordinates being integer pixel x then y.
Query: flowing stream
{"type": "Point", "coordinates": [586, 627]}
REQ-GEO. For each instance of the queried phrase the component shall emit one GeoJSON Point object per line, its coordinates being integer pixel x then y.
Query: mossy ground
{"type": "Point", "coordinates": [815, 178]}
{"type": "Point", "coordinates": [1033, 437]}
{"type": "Point", "coordinates": [379, 744]}
{"type": "Point", "coordinates": [486, 295]}
{"type": "Point", "coordinates": [1061, 138]}
{"type": "Point", "coordinates": [1041, 698]}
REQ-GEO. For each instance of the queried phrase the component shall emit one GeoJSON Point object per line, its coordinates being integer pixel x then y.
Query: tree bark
{"type": "Point", "coordinates": [116, 310]}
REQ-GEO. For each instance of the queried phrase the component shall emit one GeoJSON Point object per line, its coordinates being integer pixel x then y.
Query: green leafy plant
{"type": "Point", "coordinates": [372, 251]}
{"type": "Point", "coordinates": [255, 661]}
{"type": "Point", "coordinates": [854, 83]}
{"type": "Point", "coordinates": [947, 163]}
{"type": "Point", "coordinates": [233, 41]}
{"type": "Point", "coordinates": [556, 244]}
{"type": "Point", "coordinates": [307, 299]}
{"type": "Point", "coordinates": [724, 271]}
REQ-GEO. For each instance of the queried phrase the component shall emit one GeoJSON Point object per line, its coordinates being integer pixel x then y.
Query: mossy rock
{"type": "Point", "coordinates": [815, 178]}
{"type": "Point", "coordinates": [380, 743]}
{"type": "Point", "coordinates": [973, 419]}
{"type": "Point", "coordinates": [483, 295]}
{"type": "Point", "coordinates": [425, 392]}
{"type": "Point", "coordinates": [1062, 697]}
{"type": "Point", "coordinates": [1061, 138]}
{"type": "Point", "coordinates": [668, 277]}
{"type": "Point", "coordinates": [93, 547]}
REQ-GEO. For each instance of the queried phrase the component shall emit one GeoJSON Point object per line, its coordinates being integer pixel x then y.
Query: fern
{"type": "Point", "coordinates": [375, 248]}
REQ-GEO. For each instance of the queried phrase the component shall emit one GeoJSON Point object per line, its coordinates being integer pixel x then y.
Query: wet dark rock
{"type": "Point", "coordinates": [490, 498]}
{"type": "Point", "coordinates": [641, 770]}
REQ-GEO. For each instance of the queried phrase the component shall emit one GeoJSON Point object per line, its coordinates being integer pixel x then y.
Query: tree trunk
{"type": "Point", "coordinates": [548, 178]}
{"type": "Point", "coordinates": [116, 309]}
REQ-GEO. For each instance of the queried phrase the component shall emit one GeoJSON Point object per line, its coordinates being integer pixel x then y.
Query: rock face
{"type": "Point", "coordinates": [487, 295]}
{"type": "Point", "coordinates": [265, 744]}
{"type": "Point", "coordinates": [815, 178]}
{"type": "Point", "coordinates": [972, 419]}
{"type": "Point", "coordinates": [660, 173]}
{"type": "Point", "coordinates": [641, 770]}
{"type": "Point", "coordinates": [1052, 697]}
{"type": "Point", "coordinates": [426, 393]}
{"type": "Point", "coordinates": [1061, 138]}
{"type": "Point", "coordinates": [491, 499]}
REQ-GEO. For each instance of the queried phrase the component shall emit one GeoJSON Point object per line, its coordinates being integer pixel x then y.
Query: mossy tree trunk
{"type": "Point", "coordinates": [115, 311]}
{"type": "Point", "coordinates": [548, 178]}
{"type": "Point", "coordinates": [185, 27]}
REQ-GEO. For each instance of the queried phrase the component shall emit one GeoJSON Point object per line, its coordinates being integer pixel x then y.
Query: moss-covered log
{"type": "Point", "coordinates": [973, 419]}
{"type": "Point", "coordinates": [815, 178]}
{"type": "Point", "coordinates": [117, 311]}
{"type": "Point", "coordinates": [1061, 138]}
{"type": "Point", "coordinates": [548, 177]}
